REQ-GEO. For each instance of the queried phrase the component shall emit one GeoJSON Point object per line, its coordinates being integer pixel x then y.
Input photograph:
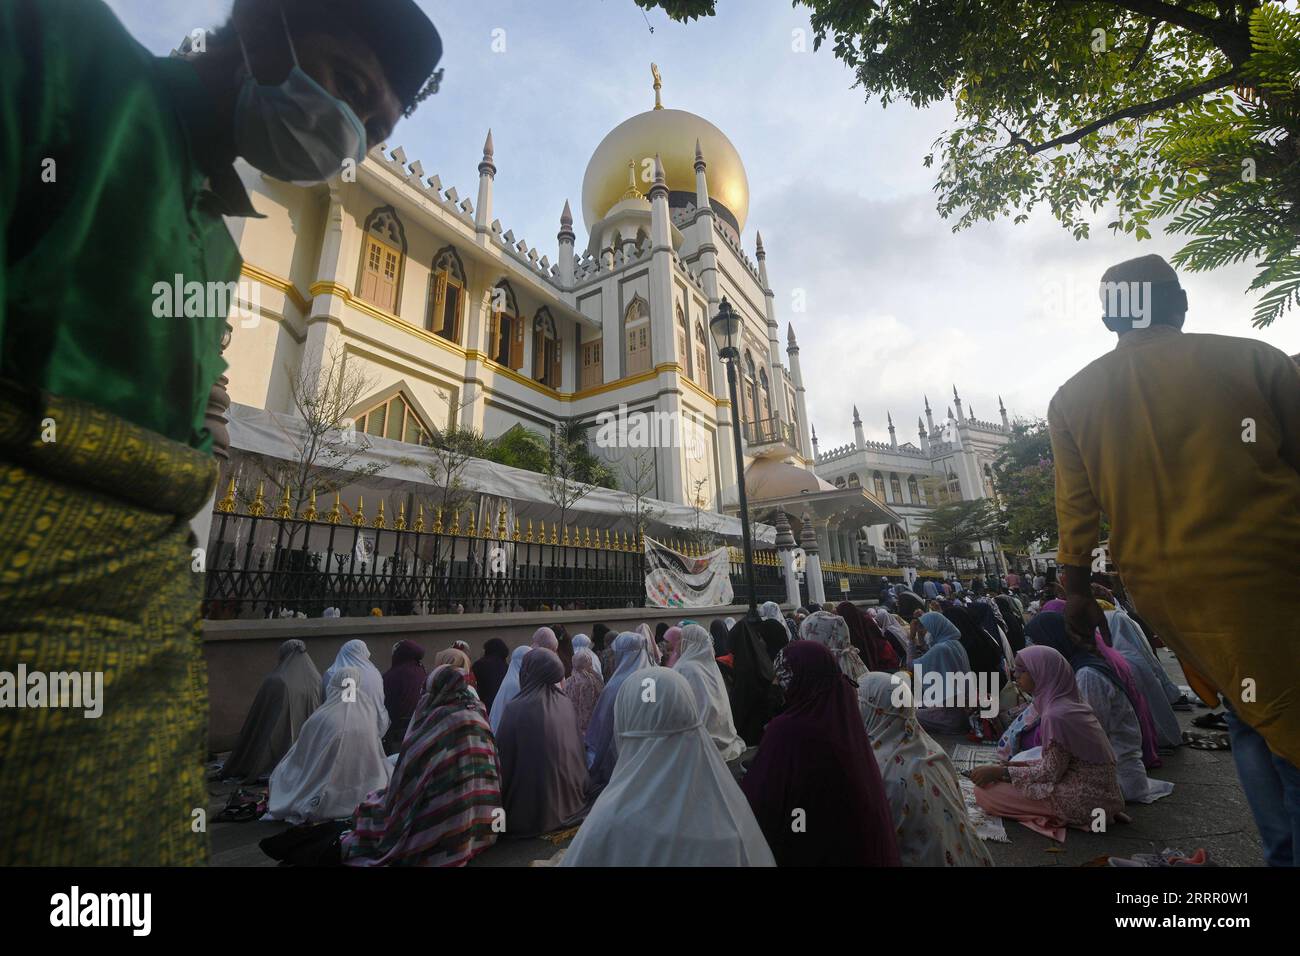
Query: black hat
{"type": "Point", "coordinates": [404, 39]}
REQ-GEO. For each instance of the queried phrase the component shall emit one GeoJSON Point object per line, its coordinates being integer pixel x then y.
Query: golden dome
{"type": "Point", "coordinates": [671, 134]}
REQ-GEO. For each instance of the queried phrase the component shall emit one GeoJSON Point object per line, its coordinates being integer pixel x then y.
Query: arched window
{"type": "Point", "coordinates": [546, 349]}
{"type": "Point", "coordinates": [896, 542]}
{"type": "Point", "coordinates": [878, 484]}
{"type": "Point", "coordinates": [895, 488]}
{"type": "Point", "coordinates": [988, 481]}
{"type": "Point", "coordinates": [750, 398]}
{"type": "Point", "coordinates": [446, 294]}
{"type": "Point", "coordinates": [506, 334]}
{"type": "Point", "coordinates": [764, 396]}
{"type": "Point", "coordinates": [700, 373]}
{"type": "Point", "coordinates": [926, 544]}
{"type": "Point", "coordinates": [393, 418]}
{"type": "Point", "coordinates": [839, 482]}
{"type": "Point", "coordinates": [383, 253]}
{"type": "Point", "coordinates": [854, 480]}
{"type": "Point", "coordinates": [913, 489]}
{"type": "Point", "coordinates": [954, 487]}
{"type": "Point", "coordinates": [683, 341]}
{"type": "Point", "coordinates": [636, 337]}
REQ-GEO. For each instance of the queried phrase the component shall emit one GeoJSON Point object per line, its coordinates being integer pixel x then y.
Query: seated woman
{"type": "Point", "coordinates": [1074, 776]}
{"type": "Point", "coordinates": [356, 654]}
{"type": "Point", "coordinates": [583, 688]}
{"type": "Point", "coordinates": [931, 823]}
{"type": "Point", "coordinates": [543, 766]}
{"type": "Point", "coordinates": [445, 795]}
{"type": "Point", "coordinates": [509, 686]}
{"type": "Point", "coordinates": [876, 652]}
{"type": "Point", "coordinates": [632, 654]}
{"type": "Point", "coordinates": [696, 663]}
{"type": "Point", "coordinates": [403, 685]}
{"type": "Point", "coordinates": [287, 697]}
{"type": "Point", "coordinates": [671, 801]}
{"type": "Point", "coordinates": [1152, 681]}
{"type": "Point", "coordinates": [336, 760]}
{"type": "Point", "coordinates": [814, 785]}
{"type": "Point", "coordinates": [947, 658]}
{"type": "Point", "coordinates": [490, 670]}
{"type": "Point", "coordinates": [832, 632]}
{"type": "Point", "coordinates": [1102, 690]}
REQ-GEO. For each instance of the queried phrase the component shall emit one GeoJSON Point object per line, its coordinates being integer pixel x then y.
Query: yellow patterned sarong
{"type": "Point", "coordinates": [96, 576]}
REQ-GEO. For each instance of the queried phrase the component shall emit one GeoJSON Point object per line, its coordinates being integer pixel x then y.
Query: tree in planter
{"type": "Point", "coordinates": [638, 483]}
{"type": "Point", "coordinates": [1125, 105]}
{"type": "Point", "coordinates": [325, 454]}
{"type": "Point", "coordinates": [566, 467]}
{"type": "Point", "coordinates": [699, 535]}
{"type": "Point", "coordinates": [953, 527]}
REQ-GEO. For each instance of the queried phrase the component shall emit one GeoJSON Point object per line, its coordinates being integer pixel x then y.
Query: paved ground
{"type": "Point", "coordinates": [1207, 809]}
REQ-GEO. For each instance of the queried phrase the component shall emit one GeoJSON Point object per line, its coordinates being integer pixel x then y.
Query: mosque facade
{"type": "Point", "coordinates": [458, 321]}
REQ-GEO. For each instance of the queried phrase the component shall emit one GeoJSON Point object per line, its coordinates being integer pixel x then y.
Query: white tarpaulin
{"type": "Point", "coordinates": [677, 580]}
{"type": "Point", "coordinates": [277, 435]}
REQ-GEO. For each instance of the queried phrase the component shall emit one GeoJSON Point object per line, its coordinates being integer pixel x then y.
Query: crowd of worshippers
{"type": "Point", "coordinates": [792, 740]}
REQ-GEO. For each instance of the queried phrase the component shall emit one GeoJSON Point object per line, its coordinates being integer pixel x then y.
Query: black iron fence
{"type": "Point", "coordinates": [265, 563]}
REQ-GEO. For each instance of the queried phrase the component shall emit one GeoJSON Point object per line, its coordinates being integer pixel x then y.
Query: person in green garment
{"type": "Point", "coordinates": [116, 170]}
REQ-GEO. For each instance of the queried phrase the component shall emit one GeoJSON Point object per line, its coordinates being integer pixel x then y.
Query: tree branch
{"type": "Point", "coordinates": [1129, 112]}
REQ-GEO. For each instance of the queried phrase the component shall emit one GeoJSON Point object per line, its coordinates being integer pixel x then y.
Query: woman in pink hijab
{"type": "Point", "coordinates": [673, 636]}
{"type": "Point", "coordinates": [1074, 773]}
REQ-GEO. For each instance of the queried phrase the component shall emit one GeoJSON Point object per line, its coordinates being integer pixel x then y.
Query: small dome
{"type": "Point", "coordinates": [773, 478]}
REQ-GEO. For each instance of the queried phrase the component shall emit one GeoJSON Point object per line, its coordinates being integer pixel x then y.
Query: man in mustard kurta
{"type": "Point", "coordinates": [1190, 444]}
{"type": "Point", "coordinates": [116, 173]}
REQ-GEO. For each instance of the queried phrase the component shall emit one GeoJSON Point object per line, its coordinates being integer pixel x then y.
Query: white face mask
{"type": "Point", "coordinates": [296, 131]}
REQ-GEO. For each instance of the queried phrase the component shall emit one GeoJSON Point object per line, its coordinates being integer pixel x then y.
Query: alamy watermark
{"type": "Point", "coordinates": [71, 689]}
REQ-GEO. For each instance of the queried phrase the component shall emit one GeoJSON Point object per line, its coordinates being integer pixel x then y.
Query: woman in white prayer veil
{"type": "Point", "coordinates": [832, 631]}
{"type": "Point", "coordinates": [583, 642]}
{"type": "Point", "coordinates": [336, 760]}
{"type": "Point", "coordinates": [697, 664]}
{"type": "Point", "coordinates": [356, 654]}
{"type": "Point", "coordinates": [509, 688]}
{"type": "Point", "coordinates": [1151, 679]}
{"type": "Point", "coordinates": [671, 801]}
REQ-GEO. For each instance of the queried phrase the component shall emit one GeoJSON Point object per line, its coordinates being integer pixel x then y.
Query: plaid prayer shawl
{"type": "Point", "coordinates": [96, 577]}
{"type": "Point", "coordinates": [443, 806]}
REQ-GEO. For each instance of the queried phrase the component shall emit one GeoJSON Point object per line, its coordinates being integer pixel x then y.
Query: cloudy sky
{"type": "Point", "coordinates": [897, 305]}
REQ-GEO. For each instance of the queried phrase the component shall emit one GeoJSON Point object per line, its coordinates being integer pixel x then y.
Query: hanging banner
{"type": "Point", "coordinates": [675, 580]}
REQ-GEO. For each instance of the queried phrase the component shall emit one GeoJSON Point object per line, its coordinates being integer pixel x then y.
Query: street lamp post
{"type": "Point", "coordinates": [725, 327]}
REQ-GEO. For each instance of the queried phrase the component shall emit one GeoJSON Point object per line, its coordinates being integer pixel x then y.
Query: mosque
{"type": "Point", "coordinates": [459, 321]}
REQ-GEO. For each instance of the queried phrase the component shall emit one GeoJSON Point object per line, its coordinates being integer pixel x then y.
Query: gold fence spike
{"type": "Point", "coordinates": [565, 540]}
{"type": "Point", "coordinates": [285, 510]}
{"type": "Point", "coordinates": [528, 538]}
{"type": "Point", "coordinates": [437, 520]}
{"type": "Point", "coordinates": [501, 522]}
{"type": "Point", "coordinates": [606, 539]}
{"type": "Point", "coordinates": [311, 514]}
{"type": "Point", "coordinates": [554, 533]}
{"type": "Point", "coordinates": [471, 531]}
{"type": "Point", "coordinates": [258, 507]}
{"type": "Point", "coordinates": [419, 518]}
{"type": "Point", "coordinates": [336, 513]}
{"type": "Point", "coordinates": [515, 535]}
{"type": "Point", "coordinates": [380, 520]}
{"type": "Point", "coordinates": [401, 517]}
{"type": "Point", "coordinates": [227, 504]}
{"type": "Point", "coordinates": [455, 521]}
{"type": "Point", "coordinates": [359, 516]}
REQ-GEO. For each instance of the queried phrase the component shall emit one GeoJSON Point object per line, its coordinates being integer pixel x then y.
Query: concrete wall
{"type": "Point", "coordinates": [240, 653]}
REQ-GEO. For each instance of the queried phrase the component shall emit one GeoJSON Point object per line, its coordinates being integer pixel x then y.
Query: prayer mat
{"type": "Point", "coordinates": [96, 579]}
{"type": "Point", "coordinates": [987, 828]}
{"type": "Point", "coordinates": [966, 757]}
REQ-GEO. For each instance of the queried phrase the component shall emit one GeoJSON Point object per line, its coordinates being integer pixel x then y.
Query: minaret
{"type": "Point", "coordinates": [800, 397]}
{"type": "Point", "coordinates": [814, 444]}
{"type": "Point", "coordinates": [773, 336]}
{"type": "Point", "coordinates": [487, 171]}
{"type": "Point", "coordinates": [957, 399]}
{"type": "Point", "coordinates": [925, 439]}
{"type": "Point", "coordinates": [893, 439]}
{"type": "Point", "coordinates": [660, 227]}
{"type": "Point", "coordinates": [859, 437]}
{"type": "Point", "coordinates": [929, 417]}
{"type": "Point", "coordinates": [663, 324]}
{"type": "Point", "coordinates": [1003, 409]}
{"type": "Point", "coordinates": [566, 238]}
